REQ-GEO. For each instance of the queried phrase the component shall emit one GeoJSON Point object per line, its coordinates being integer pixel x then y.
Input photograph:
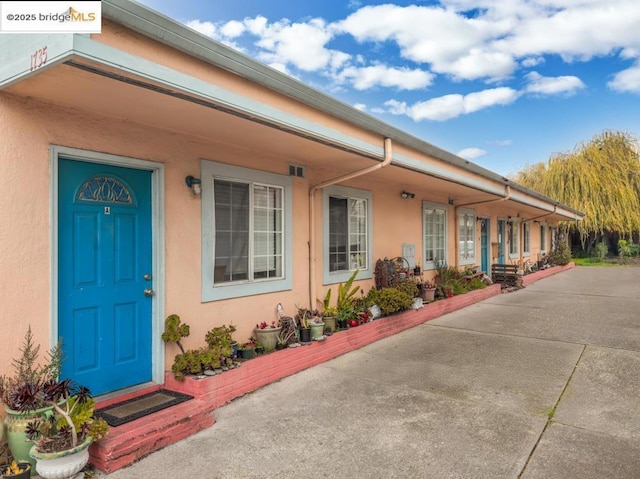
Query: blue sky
{"type": "Point", "coordinates": [503, 83]}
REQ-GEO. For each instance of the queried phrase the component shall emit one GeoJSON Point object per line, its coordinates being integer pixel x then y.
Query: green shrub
{"type": "Point", "coordinates": [392, 300]}
{"type": "Point", "coordinates": [561, 255]}
{"type": "Point", "coordinates": [601, 250]}
{"type": "Point", "coordinates": [477, 283]}
{"type": "Point", "coordinates": [627, 249]}
{"type": "Point", "coordinates": [458, 286]}
{"type": "Point", "coordinates": [373, 296]}
{"type": "Point", "coordinates": [408, 286]}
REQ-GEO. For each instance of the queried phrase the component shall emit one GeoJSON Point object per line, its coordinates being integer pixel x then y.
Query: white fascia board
{"type": "Point", "coordinates": [164, 29]}
{"type": "Point", "coordinates": [21, 54]}
{"type": "Point", "coordinates": [551, 207]}
{"type": "Point", "coordinates": [531, 201]}
{"type": "Point", "coordinates": [432, 169]}
{"type": "Point", "coordinates": [174, 80]}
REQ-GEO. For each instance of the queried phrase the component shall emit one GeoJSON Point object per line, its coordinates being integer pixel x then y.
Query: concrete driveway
{"type": "Point", "coordinates": [539, 383]}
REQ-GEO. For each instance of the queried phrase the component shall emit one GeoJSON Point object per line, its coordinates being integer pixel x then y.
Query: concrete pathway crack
{"type": "Point", "coordinates": [552, 412]}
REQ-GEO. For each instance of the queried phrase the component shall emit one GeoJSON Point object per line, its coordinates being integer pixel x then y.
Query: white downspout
{"type": "Point", "coordinates": [312, 212]}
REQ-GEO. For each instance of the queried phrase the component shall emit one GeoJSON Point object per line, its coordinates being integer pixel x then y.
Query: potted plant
{"type": "Point", "coordinates": [329, 317]}
{"type": "Point", "coordinates": [316, 324]}
{"type": "Point", "coordinates": [27, 370]}
{"type": "Point", "coordinates": [220, 342]}
{"type": "Point", "coordinates": [328, 313]}
{"type": "Point", "coordinates": [267, 334]}
{"type": "Point", "coordinates": [247, 350]}
{"type": "Point", "coordinates": [427, 290]}
{"type": "Point", "coordinates": [303, 321]}
{"type": "Point", "coordinates": [16, 470]}
{"type": "Point", "coordinates": [285, 337]}
{"type": "Point", "coordinates": [61, 439]}
{"type": "Point", "coordinates": [345, 313]}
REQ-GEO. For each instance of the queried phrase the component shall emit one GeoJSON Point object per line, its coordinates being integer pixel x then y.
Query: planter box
{"type": "Point", "coordinates": [223, 388]}
{"type": "Point", "coordinates": [538, 275]}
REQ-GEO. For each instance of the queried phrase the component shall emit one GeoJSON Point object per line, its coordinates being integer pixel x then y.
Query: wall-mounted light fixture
{"type": "Point", "coordinates": [451, 201]}
{"type": "Point", "coordinates": [194, 183]}
{"type": "Point", "coordinates": [407, 195]}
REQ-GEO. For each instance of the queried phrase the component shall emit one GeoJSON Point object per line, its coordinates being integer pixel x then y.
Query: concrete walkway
{"type": "Point", "coordinates": [539, 383]}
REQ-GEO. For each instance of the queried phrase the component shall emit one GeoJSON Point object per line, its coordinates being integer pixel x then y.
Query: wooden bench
{"type": "Point", "coordinates": [506, 274]}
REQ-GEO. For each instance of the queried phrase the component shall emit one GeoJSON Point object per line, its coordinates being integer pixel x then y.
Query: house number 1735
{"type": "Point", "coordinates": [38, 58]}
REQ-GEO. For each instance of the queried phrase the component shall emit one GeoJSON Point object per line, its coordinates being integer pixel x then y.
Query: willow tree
{"type": "Point", "coordinates": [600, 178]}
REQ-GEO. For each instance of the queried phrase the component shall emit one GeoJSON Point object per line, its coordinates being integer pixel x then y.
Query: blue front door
{"type": "Point", "coordinates": [104, 268]}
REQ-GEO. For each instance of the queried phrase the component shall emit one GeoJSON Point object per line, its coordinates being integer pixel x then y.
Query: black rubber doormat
{"type": "Point", "coordinates": [135, 408]}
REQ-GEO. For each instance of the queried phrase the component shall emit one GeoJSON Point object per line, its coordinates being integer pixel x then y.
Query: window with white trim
{"type": "Point", "coordinates": [467, 236]}
{"type": "Point", "coordinates": [513, 237]}
{"type": "Point", "coordinates": [248, 231]}
{"type": "Point", "coordinates": [434, 227]}
{"type": "Point", "coordinates": [246, 215]}
{"type": "Point", "coordinates": [526, 238]}
{"type": "Point", "coordinates": [543, 238]}
{"type": "Point", "coordinates": [347, 233]}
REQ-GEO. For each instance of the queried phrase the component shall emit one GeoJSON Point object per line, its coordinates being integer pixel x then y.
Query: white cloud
{"type": "Point", "coordinates": [394, 107]}
{"type": "Point", "coordinates": [627, 80]}
{"type": "Point", "coordinates": [465, 40]}
{"type": "Point", "coordinates": [233, 29]}
{"type": "Point", "coordinates": [471, 153]}
{"type": "Point", "coordinates": [552, 85]}
{"type": "Point", "coordinates": [449, 42]}
{"type": "Point", "coordinates": [486, 98]}
{"type": "Point", "coordinates": [450, 106]}
{"type": "Point", "coordinates": [363, 78]}
{"type": "Point", "coordinates": [299, 44]}
{"type": "Point", "coordinates": [499, 34]}
{"type": "Point", "coordinates": [360, 106]}
{"type": "Point", "coordinates": [532, 62]}
{"type": "Point", "coordinates": [206, 28]}
{"type": "Point", "coordinates": [257, 26]}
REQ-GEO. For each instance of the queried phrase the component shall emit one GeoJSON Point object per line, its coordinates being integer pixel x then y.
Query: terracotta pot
{"type": "Point", "coordinates": [428, 295]}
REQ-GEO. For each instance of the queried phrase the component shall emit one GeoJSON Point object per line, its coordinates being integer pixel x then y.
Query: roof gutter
{"type": "Point", "coordinates": [170, 32]}
{"type": "Point", "coordinates": [555, 207]}
{"type": "Point", "coordinates": [388, 155]}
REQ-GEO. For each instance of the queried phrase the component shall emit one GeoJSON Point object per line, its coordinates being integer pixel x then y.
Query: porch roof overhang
{"type": "Point", "coordinates": [77, 67]}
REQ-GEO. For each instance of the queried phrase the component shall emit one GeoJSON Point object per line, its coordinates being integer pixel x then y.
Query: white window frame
{"type": "Point", "coordinates": [431, 265]}
{"type": "Point", "coordinates": [513, 239]}
{"type": "Point", "coordinates": [465, 212]}
{"type": "Point", "coordinates": [333, 277]}
{"type": "Point", "coordinates": [543, 238]}
{"type": "Point", "coordinates": [211, 170]}
{"type": "Point", "coordinates": [526, 238]}
{"type": "Point", "coordinates": [553, 237]}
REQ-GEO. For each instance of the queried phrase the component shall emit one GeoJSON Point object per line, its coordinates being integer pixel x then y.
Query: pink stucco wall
{"type": "Point", "coordinates": [28, 127]}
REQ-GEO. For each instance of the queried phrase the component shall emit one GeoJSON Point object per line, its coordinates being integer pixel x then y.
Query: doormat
{"type": "Point", "coordinates": [135, 408]}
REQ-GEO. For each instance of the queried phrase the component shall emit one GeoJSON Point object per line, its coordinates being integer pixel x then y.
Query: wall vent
{"type": "Point", "coordinates": [296, 170]}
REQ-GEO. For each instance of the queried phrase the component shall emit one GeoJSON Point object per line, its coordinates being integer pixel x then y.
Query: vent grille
{"type": "Point", "coordinates": [296, 170]}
